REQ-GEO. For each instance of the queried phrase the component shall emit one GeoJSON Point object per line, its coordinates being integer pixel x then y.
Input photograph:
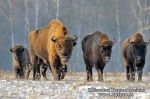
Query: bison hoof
{"type": "Point", "coordinates": [132, 80]}
{"type": "Point", "coordinates": [139, 80]}
{"type": "Point", "coordinates": [128, 77]}
{"type": "Point", "coordinates": [89, 80]}
{"type": "Point", "coordinates": [62, 77]}
{"type": "Point", "coordinates": [100, 80]}
{"type": "Point", "coordinates": [37, 77]}
{"type": "Point", "coordinates": [45, 78]}
{"type": "Point", "coordinates": [57, 78]}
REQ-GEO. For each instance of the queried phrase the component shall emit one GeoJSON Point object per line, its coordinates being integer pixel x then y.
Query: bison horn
{"type": "Point", "coordinates": [130, 42]}
{"type": "Point", "coordinates": [72, 37]}
{"type": "Point", "coordinates": [53, 39]}
{"type": "Point", "coordinates": [147, 43]}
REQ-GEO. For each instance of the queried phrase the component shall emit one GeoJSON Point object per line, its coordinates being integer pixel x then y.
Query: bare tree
{"type": "Point", "coordinates": [26, 21]}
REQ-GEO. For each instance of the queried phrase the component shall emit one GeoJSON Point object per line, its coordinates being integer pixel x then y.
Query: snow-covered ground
{"type": "Point", "coordinates": [74, 86]}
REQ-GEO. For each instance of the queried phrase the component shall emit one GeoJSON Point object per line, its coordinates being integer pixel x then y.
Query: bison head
{"type": "Point", "coordinates": [17, 53]}
{"type": "Point", "coordinates": [64, 46]}
{"type": "Point", "coordinates": [105, 48]}
{"type": "Point", "coordinates": [138, 51]}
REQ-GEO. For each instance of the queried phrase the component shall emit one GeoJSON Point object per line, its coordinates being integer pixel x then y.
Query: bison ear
{"type": "Point", "coordinates": [11, 50]}
{"type": "Point", "coordinates": [71, 37]}
{"type": "Point", "coordinates": [74, 43]}
{"type": "Point", "coordinates": [114, 41]}
{"type": "Point", "coordinates": [22, 49]}
{"type": "Point", "coordinates": [99, 43]}
{"type": "Point", "coordinates": [53, 39]}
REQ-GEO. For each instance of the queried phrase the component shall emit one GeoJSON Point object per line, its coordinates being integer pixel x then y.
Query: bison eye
{"type": "Point", "coordinates": [132, 42]}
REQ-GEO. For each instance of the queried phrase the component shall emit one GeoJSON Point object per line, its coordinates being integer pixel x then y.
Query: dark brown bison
{"type": "Point", "coordinates": [21, 61]}
{"type": "Point", "coordinates": [134, 52]}
{"type": "Point", "coordinates": [97, 49]}
{"type": "Point", "coordinates": [53, 46]}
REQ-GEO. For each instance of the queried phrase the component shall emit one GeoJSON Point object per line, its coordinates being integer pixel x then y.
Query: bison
{"type": "Point", "coordinates": [20, 61]}
{"type": "Point", "coordinates": [97, 49]}
{"type": "Point", "coordinates": [53, 46]}
{"type": "Point", "coordinates": [134, 51]}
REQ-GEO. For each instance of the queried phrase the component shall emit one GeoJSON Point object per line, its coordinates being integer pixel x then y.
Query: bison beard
{"type": "Point", "coordinates": [134, 52]}
{"type": "Point", "coordinates": [96, 52]}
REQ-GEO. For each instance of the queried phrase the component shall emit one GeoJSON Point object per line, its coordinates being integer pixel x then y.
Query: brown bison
{"type": "Point", "coordinates": [134, 52]}
{"type": "Point", "coordinates": [53, 46]}
{"type": "Point", "coordinates": [97, 49]}
{"type": "Point", "coordinates": [21, 61]}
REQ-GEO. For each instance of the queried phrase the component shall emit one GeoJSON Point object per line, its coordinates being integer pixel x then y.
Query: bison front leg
{"type": "Point", "coordinates": [53, 67]}
{"type": "Point", "coordinates": [27, 70]}
{"type": "Point", "coordinates": [63, 71]}
{"type": "Point", "coordinates": [16, 72]}
{"type": "Point", "coordinates": [100, 75]}
{"type": "Point", "coordinates": [132, 74]}
{"type": "Point", "coordinates": [21, 73]}
{"type": "Point", "coordinates": [127, 73]}
{"type": "Point", "coordinates": [139, 71]}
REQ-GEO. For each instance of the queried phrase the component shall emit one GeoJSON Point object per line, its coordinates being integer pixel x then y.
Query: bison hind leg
{"type": "Point", "coordinates": [36, 69]}
{"type": "Point", "coordinates": [89, 73]}
{"type": "Point", "coordinates": [27, 71]}
{"type": "Point", "coordinates": [44, 69]}
{"type": "Point", "coordinates": [88, 69]}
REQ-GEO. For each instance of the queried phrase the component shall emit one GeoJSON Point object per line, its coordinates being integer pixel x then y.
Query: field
{"type": "Point", "coordinates": [74, 86]}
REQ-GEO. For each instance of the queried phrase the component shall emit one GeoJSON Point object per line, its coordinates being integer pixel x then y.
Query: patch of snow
{"type": "Point", "coordinates": [72, 87]}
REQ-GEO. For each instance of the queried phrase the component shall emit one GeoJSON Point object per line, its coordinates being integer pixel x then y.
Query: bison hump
{"type": "Point", "coordinates": [137, 37]}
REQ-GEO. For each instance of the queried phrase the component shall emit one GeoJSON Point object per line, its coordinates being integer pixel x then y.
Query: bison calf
{"type": "Point", "coordinates": [20, 61]}
{"type": "Point", "coordinates": [97, 49]}
{"type": "Point", "coordinates": [134, 52]}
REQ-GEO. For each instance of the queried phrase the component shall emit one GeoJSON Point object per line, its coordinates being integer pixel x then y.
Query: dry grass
{"type": "Point", "coordinates": [6, 75]}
